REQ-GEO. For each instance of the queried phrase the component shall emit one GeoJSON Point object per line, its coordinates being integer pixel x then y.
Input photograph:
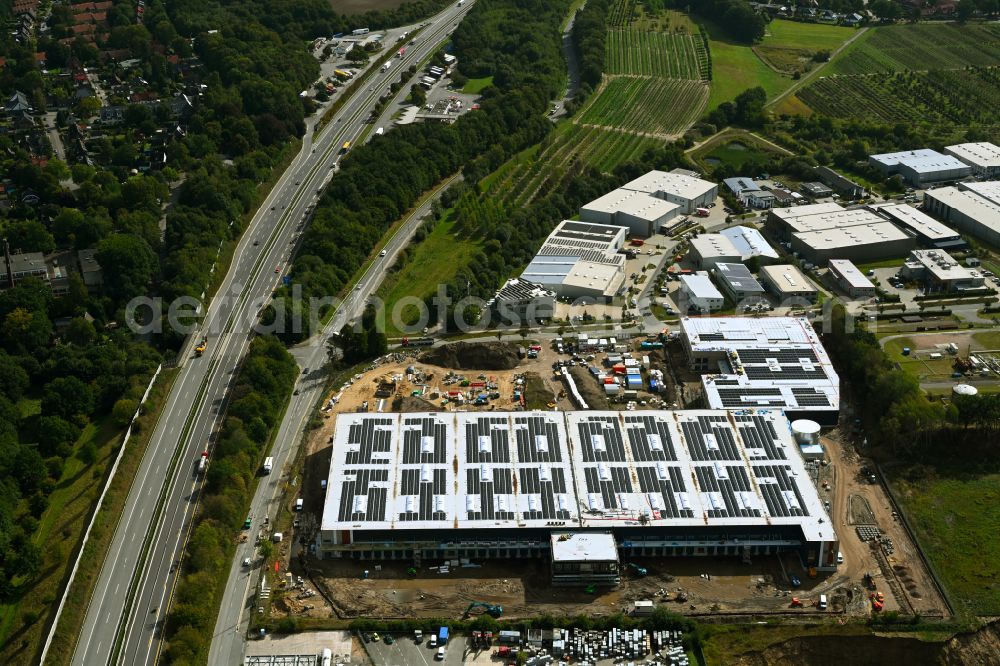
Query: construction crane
{"type": "Point", "coordinates": [493, 610]}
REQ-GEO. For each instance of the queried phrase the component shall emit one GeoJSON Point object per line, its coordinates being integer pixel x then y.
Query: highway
{"type": "Point", "coordinates": [124, 615]}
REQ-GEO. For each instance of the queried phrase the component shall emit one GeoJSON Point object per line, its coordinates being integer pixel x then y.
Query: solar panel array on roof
{"type": "Point", "coordinates": [809, 397]}
{"type": "Point", "coordinates": [546, 491]}
{"type": "Point", "coordinates": [750, 397]}
{"type": "Point", "coordinates": [783, 356]}
{"type": "Point", "coordinates": [537, 440]}
{"type": "Point", "coordinates": [423, 441]}
{"type": "Point", "coordinates": [760, 437]}
{"type": "Point", "coordinates": [424, 489]}
{"type": "Point", "coordinates": [780, 490]}
{"type": "Point", "coordinates": [779, 372]}
{"type": "Point", "coordinates": [601, 440]}
{"type": "Point", "coordinates": [726, 491]}
{"type": "Point", "coordinates": [708, 442]}
{"type": "Point", "coordinates": [665, 490]}
{"type": "Point", "coordinates": [360, 500]}
{"type": "Point", "coordinates": [649, 439]}
{"type": "Point", "coordinates": [611, 484]}
{"type": "Point", "coordinates": [488, 490]}
{"type": "Point", "coordinates": [487, 440]}
{"type": "Point", "coordinates": [367, 438]}
{"type": "Point", "coordinates": [712, 337]}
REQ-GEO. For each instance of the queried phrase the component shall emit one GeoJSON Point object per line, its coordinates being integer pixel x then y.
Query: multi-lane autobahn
{"type": "Point", "coordinates": [124, 616]}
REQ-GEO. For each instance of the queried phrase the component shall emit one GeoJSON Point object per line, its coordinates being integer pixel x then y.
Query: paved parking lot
{"type": "Point", "coordinates": [405, 652]}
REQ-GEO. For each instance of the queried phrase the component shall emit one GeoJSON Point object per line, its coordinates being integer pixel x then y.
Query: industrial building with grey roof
{"type": "Point", "coordinates": [438, 485]}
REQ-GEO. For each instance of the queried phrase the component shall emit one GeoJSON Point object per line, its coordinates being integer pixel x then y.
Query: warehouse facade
{"type": "Point", "coordinates": [580, 260]}
{"type": "Point", "coordinates": [983, 157]}
{"type": "Point", "coordinates": [850, 279]}
{"type": "Point", "coordinates": [788, 283]}
{"type": "Point", "coordinates": [971, 211]}
{"type": "Point", "coordinates": [928, 231]}
{"type": "Point", "coordinates": [921, 167]}
{"type": "Point", "coordinates": [824, 231]}
{"type": "Point", "coordinates": [709, 249]}
{"type": "Point", "coordinates": [641, 213]}
{"type": "Point", "coordinates": [676, 187]}
{"type": "Point", "coordinates": [441, 485]}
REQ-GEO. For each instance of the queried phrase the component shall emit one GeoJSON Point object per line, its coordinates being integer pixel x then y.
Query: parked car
{"type": "Point", "coordinates": [795, 580]}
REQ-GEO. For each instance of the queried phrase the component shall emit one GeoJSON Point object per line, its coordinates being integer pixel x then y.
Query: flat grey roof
{"type": "Point", "coordinates": [882, 231]}
{"type": "Point", "coordinates": [676, 184]}
{"type": "Point", "coordinates": [714, 245]}
{"type": "Point", "coordinates": [739, 277]}
{"type": "Point", "coordinates": [846, 270]}
{"type": "Point", "coordinates": [923, 160]}
{"type": "Point", "coordinates": [641, 205]}
{"type": "Point", "coordinates": [970, 203]}
{"type": "Point", "coordinates": [788, 279]}
{"type": "Point", "coordinates": [918, 221]}
{"type": "Point", "coordinates": [982, 154]}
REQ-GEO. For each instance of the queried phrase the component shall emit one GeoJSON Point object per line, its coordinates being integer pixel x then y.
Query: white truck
{"type": "Point", "coordinates": [387, 65]}
{"type": "Point", "coordinates": [268, 464]}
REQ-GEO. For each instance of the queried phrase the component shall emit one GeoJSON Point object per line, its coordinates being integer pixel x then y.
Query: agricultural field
{"type": "Point", "coordinates": [961, 97]}
{"type": "Point", "coordinates": [563, 154]}
{"type": "Point", "coordinates": [647, 105]}
{"type": "Point", "coordinates": [922, 47]}
{"type": "Point", "coordinates": [638, 52]}
{"type": "Point", "coordinates": [735, 67]}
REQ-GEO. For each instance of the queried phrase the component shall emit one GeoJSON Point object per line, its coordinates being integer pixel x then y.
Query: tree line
{"type": "Point", "coordinates": [590, 32]}
{"type": "Point", "coordinates": [736, 17]}
{"type": "Point", "coordinates": [257, 403]}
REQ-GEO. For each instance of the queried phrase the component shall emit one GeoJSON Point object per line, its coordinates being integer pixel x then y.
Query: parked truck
{"type": "Point", "coordinates": [442, 636]}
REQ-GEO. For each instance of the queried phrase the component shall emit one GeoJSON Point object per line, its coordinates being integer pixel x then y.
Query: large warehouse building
{"type": "Point", "coordinates": [641, 213]}
{"type": "Point", "coordinates": [939, 272]}
{"type": "Point", "coordinates": [788, 283]}
{"type": "Point", "coordinates": [580, 260]}
{"type": "Point", "coordinates": [751, 243]}
{"type": "Point", "coordinates": [679, 188]}
{"type": "Point", "coordinates": [928, 231]}
{"type": "Point", "coordinates": [824, 231]}
{"type": "Point", "coordinates": [707, 250]}
{"type": "Point", "coordinates": [775, 362]}
{"type": "Point", "coordinates": [921, 168]}
{"type": "Point", "coordinates": [972, 208]}
{"type": "Point", "coordinates": [983, 157]}
{"type": "Point", "coordinates": [521, 484]}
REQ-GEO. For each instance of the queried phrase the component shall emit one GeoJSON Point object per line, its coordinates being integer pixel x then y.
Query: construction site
{"type": "Point", "coordinates": [879, 567]}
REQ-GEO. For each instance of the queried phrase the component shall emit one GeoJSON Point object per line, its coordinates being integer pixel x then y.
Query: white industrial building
{"type": "Point", "coordinates": [971, 211]}
{"type": "Point", "coordinates": [751, 243]}
{"type": "Point", "coordinates": [787, 282]}
{"type": "Point", "coordinates": [699, 292]}
{"type": "Point", "coordinates": [982, 156]}
{"type": "Point", "coordinates": [939, 272]}
{"type": "Point", "coordinates": [678, 188]}
{"type": "Point", "coordinates": [580, 260]}
{"type": "Point", "coordinates": [824, 231]}
{"type": "Point", "coordinates": [928, 231]}
{"type": "Point", "coordinates": [641, 213]}
{"type": "Point", "coordinates": [850, 279]}
{"type": "Point", "coordinates": [921, 167]}
{"type": "Point", "coordinates": [738, 283]}
{"type": "Point", "coordinates": [773, 362]}
{"type": "Point", "coordinates": [709, 249]}
{"type": "Point", "coordinates": [427, 487]}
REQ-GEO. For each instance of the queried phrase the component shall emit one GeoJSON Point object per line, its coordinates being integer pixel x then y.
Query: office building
{"type": "Point", "coordinates": [939, 272]}
{"type": "Point", "coordinates": [850, 279]}
{"type": "Point", "coordinates": [749, 193]}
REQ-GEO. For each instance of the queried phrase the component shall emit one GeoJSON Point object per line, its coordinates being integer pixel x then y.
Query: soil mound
{"type": "Point", "coordinates": [473, 356]}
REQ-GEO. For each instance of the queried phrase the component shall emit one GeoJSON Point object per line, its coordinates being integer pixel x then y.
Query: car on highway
{"type": "Point", "coordinates": [246, 562]}
{"type": "Point", "coordinates": [277, 269]}
{"type": "Point", "coordinates": [382, 253]}
{"type": "Point", "coordinates": [256, 243]}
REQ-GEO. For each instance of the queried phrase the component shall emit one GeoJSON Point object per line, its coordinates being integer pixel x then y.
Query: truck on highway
{"type": "Point", "coordinates": [380, 131]}
{"type": "Point", "coordinates": [401, 52]}
{"type": "Point", "coordinates": [203, 462]}
{"type": "Point", "coordinates": [268, 464]}
{"type": "Point", "coordinates": [387, 65]}
{"type": "Point", "coordinates": [360, 31]}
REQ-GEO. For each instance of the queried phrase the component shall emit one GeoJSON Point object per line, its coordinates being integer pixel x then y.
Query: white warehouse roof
{"type": "Point", "coordinates": [677, 184]}
{"type": "Point", "coordinates": [983, 154]}
{"type": "Point", "coordinates": [714, 245]}
{"type": "Point", "coordinates": [918, 221]}
{"type": "Point", "coordinates": [846, 269]}
{"type": "Point", "coordinates": [923, 160]}
{"type": "Point", "coordinates": [881, 231]}
{"type": "Point", "coordinates": [700, 285]}
{"type": "Point", "coordinates": [749, 242]}
{"type": "Point", "coordinates": [636, 204]}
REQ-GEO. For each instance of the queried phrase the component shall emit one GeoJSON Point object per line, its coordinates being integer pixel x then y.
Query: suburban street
{"type": "Point", "coordinates": [124, 616]}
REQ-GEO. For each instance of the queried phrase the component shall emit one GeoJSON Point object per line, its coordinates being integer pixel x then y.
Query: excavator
{"type": "Point", "coordinates": [494, 610]}
{"type": "Point", "coordinates": [636, 569]}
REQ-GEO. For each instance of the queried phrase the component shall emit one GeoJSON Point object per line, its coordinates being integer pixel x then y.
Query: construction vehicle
{"type": "Point", "coordinates": [494, 610]}
{"type": "Point", "coordinates": [869, 581]}
{"type": "Point", "coordinates": [796, 602]}
{"type": "Point", "coordinates": [416, 342]}
{"type": "Point", "coordinates": [503, 651]}
{"type": "Point", "coordinates": [639, 571]}
{"type": "Point", "coordinates": [200, 349]}
{"type": "Point", "coordinates": [477, 638]}
{"type": "Point", "coordinates": [487, 638]}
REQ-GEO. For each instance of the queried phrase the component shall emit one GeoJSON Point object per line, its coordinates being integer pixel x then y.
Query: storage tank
{"type": "Point", "coordinates": [964, 389]}
{"type": "Point", "coordinates": [805, 432]}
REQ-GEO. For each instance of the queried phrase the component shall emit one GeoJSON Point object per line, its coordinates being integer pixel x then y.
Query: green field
{"type": "Point", "coordinates": [790, 45]}
{"type": "Point", "coordinates": [956, 521]}
{"type": "Point", "coordinates": [475, 86]}
{"type": "Point", "coordinates": [638, 52]}
{"type": "Point", "coordinates": [735, 68]}
{"type": "Point", "coordinates": [647, 105]}
{"type": "Point", "coordinates": [434, 261]}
